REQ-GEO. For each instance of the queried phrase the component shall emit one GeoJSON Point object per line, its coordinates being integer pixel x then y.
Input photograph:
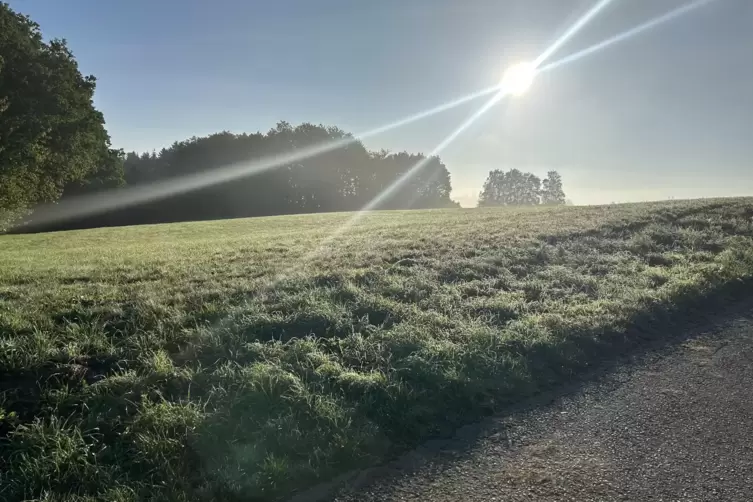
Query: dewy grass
{"type": "Point", "coordinates": [207, 361]}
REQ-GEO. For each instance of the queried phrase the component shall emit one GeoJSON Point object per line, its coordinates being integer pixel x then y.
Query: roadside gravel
{"type": "Point", "coordinates": [675, 426]}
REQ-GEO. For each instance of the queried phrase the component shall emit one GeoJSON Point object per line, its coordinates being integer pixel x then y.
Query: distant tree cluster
{"type": "Point", "coordinates": [516, 188]}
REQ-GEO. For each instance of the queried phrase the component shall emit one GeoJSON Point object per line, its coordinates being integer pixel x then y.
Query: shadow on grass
{"type": "Point", "coordinates": [560, 369]}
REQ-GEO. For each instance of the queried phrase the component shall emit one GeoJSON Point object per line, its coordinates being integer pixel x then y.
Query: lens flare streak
{"type": "Point", "coordinates": [627, 34]}
{"type": "Point", "coordinates": [376, 201]}
{"type": "Point", "coordinates": [437, 150]}
{"type": "Point", "coordinates": [385, 194]}
{"type": "Point", "coordinates": [577, 26]}
{"type": "Point", "coordinates": [571, 32]}
{"type": "Point", "coordinates": [89, 205]}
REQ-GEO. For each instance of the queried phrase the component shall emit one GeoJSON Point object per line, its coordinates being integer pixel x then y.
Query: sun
{"type": "Point", "coordinates": [518, 78]}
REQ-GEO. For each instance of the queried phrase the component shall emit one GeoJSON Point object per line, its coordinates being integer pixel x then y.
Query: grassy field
{"type": "Point", "coordinates": [231, 361]}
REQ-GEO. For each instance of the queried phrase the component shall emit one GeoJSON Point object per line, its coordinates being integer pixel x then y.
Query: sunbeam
{"type": "Point", "coordinates": [521, 77]}
{"type": "Point", "coordinates": [382, 196]}
{"type": "Point", "coordinates": [509, 86]}
{"type": "Point", "coordinates": [93, 204]}
{"type": "Point", "coordinates": [514, 87]}
{"type": "Point", "coordinates": [570, 32]}
{"type": "Point", "coordinates": [536, 64]}
{"type": "Point", "coordinates": [89, 205]}
{"type": "Point", "coordinates": [627, 34]}
{"type": "Point", "coordinates": [389, 190]}
{"type": "Point", "coordinates": [428, 113]}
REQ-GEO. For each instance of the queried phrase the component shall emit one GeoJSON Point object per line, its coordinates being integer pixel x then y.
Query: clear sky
{"type": "Point", "coordinates": [668, 113]}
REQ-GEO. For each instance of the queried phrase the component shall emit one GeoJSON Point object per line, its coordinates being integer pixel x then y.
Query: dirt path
{"type": "Point", "coordinates": [677, 426]}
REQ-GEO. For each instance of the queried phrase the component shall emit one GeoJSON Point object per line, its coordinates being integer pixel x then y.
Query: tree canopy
{"type": "Point", "coordinates": [516, 188]}
{"type": "Point", "coordinates": [51, 136]}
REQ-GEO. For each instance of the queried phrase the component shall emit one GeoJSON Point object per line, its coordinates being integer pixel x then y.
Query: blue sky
{"type": "Point", "coordinates": [668, 113]}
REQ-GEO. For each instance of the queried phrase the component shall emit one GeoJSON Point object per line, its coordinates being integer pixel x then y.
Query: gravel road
{"type": "Point", "coordinates": [675, 426]}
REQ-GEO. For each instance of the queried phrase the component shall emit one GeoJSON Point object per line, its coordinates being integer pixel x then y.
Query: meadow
{"type": "Point", "coordinates": [239, 360]}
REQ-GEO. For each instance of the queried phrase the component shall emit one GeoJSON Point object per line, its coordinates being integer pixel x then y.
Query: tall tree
{"type": "Point", "coordinates": [50, 133]}
{"type": "Point", "coordinates": [530, 193]}
{"type": "Point", "coordinates": [552, 192]}
{"type": "Point", "coordinates": [494, 191]}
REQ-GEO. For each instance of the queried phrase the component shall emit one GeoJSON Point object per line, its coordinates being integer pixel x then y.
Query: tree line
{"type": "Point", "coordinates": [54, 146]}
{"type": "Point", "coordinates": [342, 179]}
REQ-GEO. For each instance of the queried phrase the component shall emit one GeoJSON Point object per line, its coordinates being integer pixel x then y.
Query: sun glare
{"type": "Point", "coordinates": [518, 78]}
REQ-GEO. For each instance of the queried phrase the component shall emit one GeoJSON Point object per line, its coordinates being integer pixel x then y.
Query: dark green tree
{"type": "Point", "coordinates": [51, 136]}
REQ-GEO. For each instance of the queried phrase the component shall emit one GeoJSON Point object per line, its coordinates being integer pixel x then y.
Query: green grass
{"type": "Point", "coordinates": [211, 361]}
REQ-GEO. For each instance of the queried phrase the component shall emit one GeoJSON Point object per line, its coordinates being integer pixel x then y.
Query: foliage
{"type": "Point", "coordinates": [552, 193]}
{"type": "Point", "coordinates": [235, 360]}
{"type": "Point", "coordinates": [515, 188]}
{"type": "Point", "coordinates": [50, 133]}
{"type": "Point", "coordinates": [343, 179]}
